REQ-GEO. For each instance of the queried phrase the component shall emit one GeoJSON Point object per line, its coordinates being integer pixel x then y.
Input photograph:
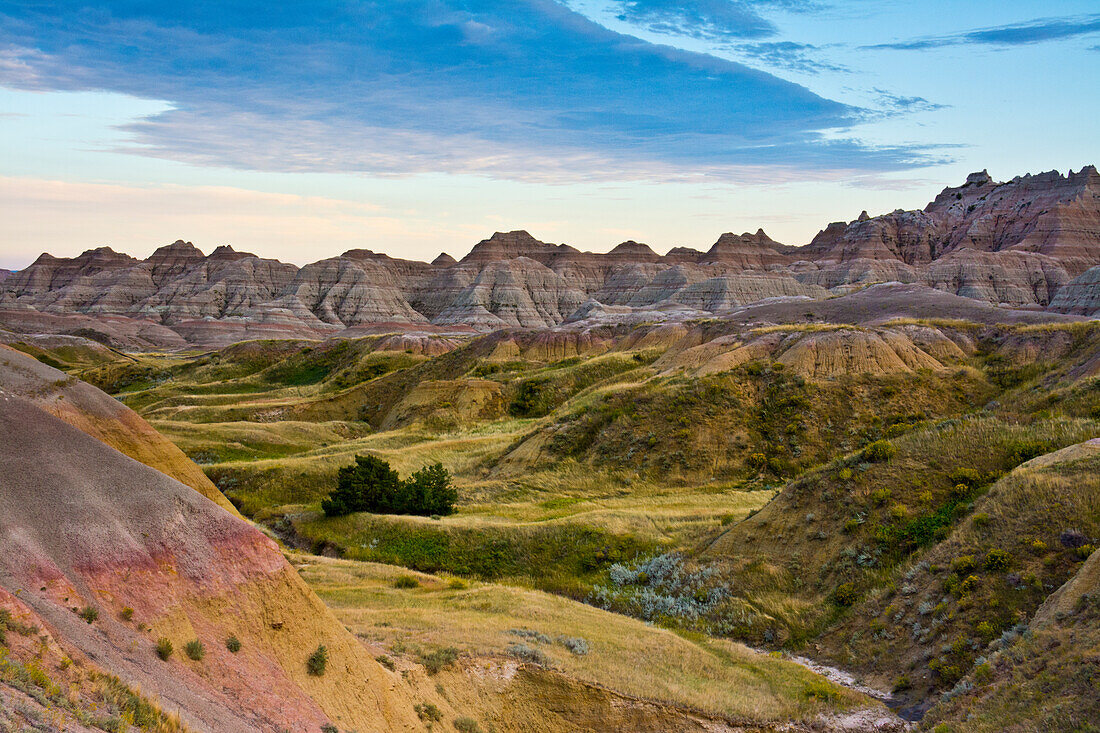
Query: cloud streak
{"type": "Point", "coordinates": [526, 89]}
{"type": "Point", "coordinates": [706, 19]}
{"type": "Point", "coordinates": [1015, 34]}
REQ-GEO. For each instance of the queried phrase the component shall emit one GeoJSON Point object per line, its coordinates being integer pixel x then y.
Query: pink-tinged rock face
{"type": "Point", "coordinates": [82, 525]}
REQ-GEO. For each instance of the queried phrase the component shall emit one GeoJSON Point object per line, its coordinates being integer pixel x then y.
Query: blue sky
{"type": "Point", "coordinates": [299, 130]}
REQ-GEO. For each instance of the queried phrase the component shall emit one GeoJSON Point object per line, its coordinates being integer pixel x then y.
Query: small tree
{"type": "Point", "coordinates": [429, 492]}
{"type": "Point", "coordinates": [368, 485]}
{"type": "Point", "coordinates": [318, 661]}
{"type": "Point", "coordinates": [195, 650]}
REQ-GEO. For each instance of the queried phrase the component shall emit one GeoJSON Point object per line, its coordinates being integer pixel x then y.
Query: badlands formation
{"type": "Point", "coordinates": [1032, 242]}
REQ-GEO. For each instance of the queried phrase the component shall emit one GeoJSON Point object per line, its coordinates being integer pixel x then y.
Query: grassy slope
{"type": "Point", "coordinates": [713, 676]}
{"type": "Point", "coordinates": [1046, 678]}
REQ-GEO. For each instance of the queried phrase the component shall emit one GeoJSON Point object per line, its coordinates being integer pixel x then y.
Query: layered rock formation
{"type": "Point", "coordinates": [1016, 244]}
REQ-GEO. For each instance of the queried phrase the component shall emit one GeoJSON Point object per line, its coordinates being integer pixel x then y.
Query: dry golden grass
{"type": "Point", "coordinates": [714, 676]}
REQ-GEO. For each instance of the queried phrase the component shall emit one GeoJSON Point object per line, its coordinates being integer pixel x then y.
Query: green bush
{"type": "Point", "coordinates": [386, 662]}
{"type": "Point", "coordinates": [370, 485]}
{"type": "Point", "coordinates": [467, 725]}
{"type": "Point", "coordinates": [439, 659]}
{"type": "Point", "coordinates": [879, 451]}
{"type": "Point", "coordinates": [996, 561]}
{"type": "Point", "coordinates": [195, 650]}
{"type": "Point", "coordinates": [126, 614]}
{"type": "Point", "coordinates": [963, 564]}
{"type": "Point", "coordinates": [845, 594]}
{"type": "Point", "coordinates": [406, 581]}
{"type": "Point", "coordinates": [89, 614]}
{"type": "Point", "coordinates": [428, 712]}
{"type": "Point", "coordinates": [879, 496]}
{"type": "Point", "coordinates": [534, 398]}
{"type": "Point", "coordinates": [317, 661]}
{"type": "Point", "coordinates": [164, 648]}
{"type": "Point", "coordinates": [233, 644]}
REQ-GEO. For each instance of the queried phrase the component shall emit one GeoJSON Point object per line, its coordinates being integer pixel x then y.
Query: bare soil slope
{"type": "Point", "coordinates": [84, 526]}
{"type": "Point", "coordinates": [103, 417]}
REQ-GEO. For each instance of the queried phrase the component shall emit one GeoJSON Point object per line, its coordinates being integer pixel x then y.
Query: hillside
{"type": "Point", "coordinates": [1029, 242]}
{"type": "Point", "coordinates": [89, 528]}
{"type": "Point", "coordinates": [104, 560]}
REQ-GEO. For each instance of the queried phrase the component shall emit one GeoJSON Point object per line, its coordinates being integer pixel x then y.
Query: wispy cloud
{"type": "Point", "coordinates": [525, 89]}
{"type": "Point", "coordinates": [893, 104]}
{"type": "Point", "coordinates": [1015, 34]}
{"type": "Point", "coordinates": [800, 57]}
{"type": "Point", "coordinates": [709, 19]}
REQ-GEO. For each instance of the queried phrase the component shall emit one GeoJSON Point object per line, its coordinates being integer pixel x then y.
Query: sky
{"type": "Point", "coordinates": [301, 130]}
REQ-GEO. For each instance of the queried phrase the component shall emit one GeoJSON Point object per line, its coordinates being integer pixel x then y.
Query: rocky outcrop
{"type": "Point", "coordinates": [1026, 243]}
{"type": "Point", "coordinates": [1014, 242]}
{"type": "Point", "coordinates": [1081, 295]}
{"type": "Point", "coordinates": [746, 252]}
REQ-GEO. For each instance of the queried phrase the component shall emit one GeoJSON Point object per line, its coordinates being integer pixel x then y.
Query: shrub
{"type": "Point", "coordinates": [981, 519]}
{"type": "Point", "coordinates": [438, 660]}
{"type": "Point", "coordinates": [406, 581]}
{"type": "Point", "coordinates": [329, 728]}
{"type": "Point", "coordinates": [1084, 551]}
{"type": "Point", "coordinates": [963, 564]}
{"type": "Point", "coordinates": [317, 661]}
{"type": "Point", "coordinates": [983, 673]}
{"type": "Point", "coordinates": [879, 451]}
{"type": "Point", "coordinates": [996, 561]}
{"type": "Point", "coordinates": [194, 650]}
{"type": "Point", "coordinates": [428, 492]}
{"type": "Point", "coordinates": [428, 712]}
{"type": "Point", "coordinates": [233, 644]}
{"type": "Point", "coordinates": [969, 584]}
{"type": "Point", "coordinates": [879, 496]}
{"type": "Point", "coordinates": [126, 614]}
{"type": "Point", "coordinates": [968, 477]}
{"type": "Point", "coordinates": [575, 644]}
{"type": "Point", "coordinates": [370, 485]}
{"type": "Point", "coordinates": [89, 614]}
{"type": "Point", "coordinates": [845, 594]}
{"type": "Point", "coordinates": [457, 584]}
{"type": "Point", "coordinates": [902, 683]}
{"type": "Point", "coordinates": [529, 654]}
{"type": "Point", "coordinates": [1038, 547]}
{"type": "Point", "coordinates": [386, 662]}
{"type": "Point", "coordinates": [985, 630]}
{"type": "Point", "coordinates": [531, 634]}
{"type": "Point", "coordinates": [467, 725]}
{"type": "Point", "coordinates": [164, 648]}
